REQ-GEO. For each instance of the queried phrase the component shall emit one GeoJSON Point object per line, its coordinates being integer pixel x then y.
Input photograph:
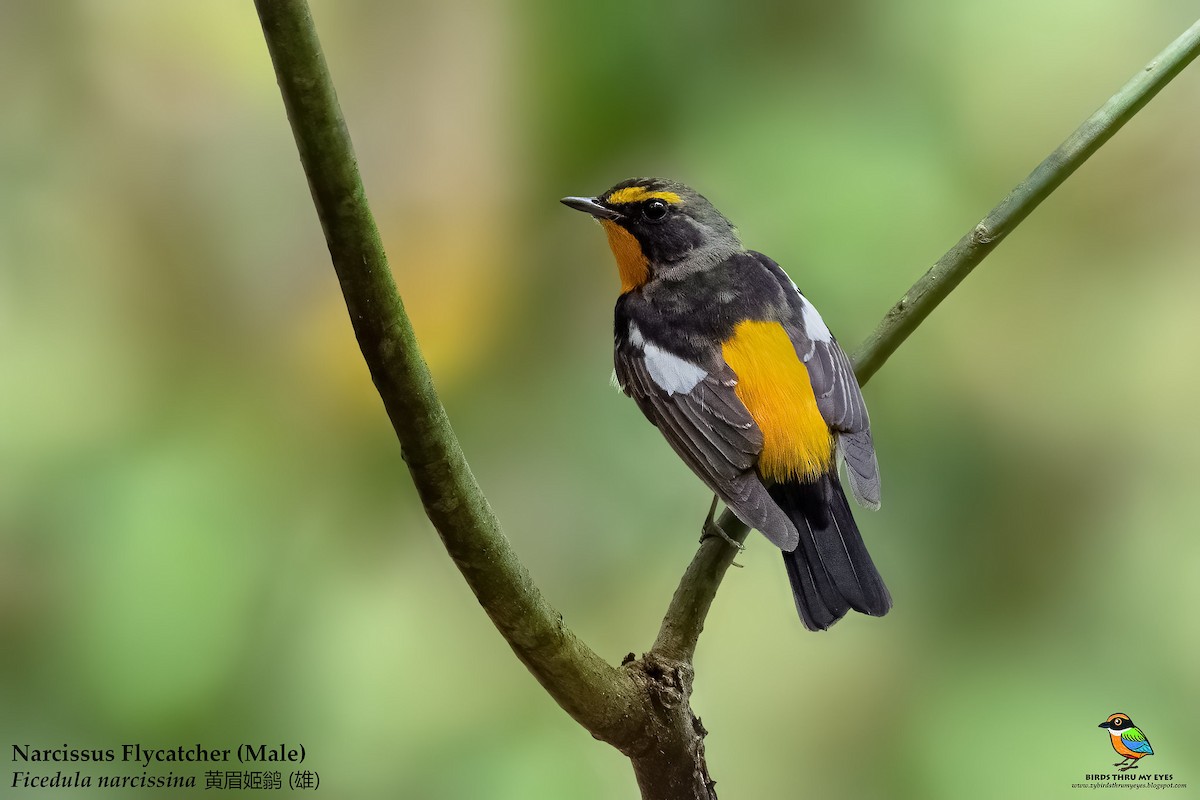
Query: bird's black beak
{"type": "Point", "coordinates": [590, 205]}
{"type": "Point", "coordinates": [1104, 725]}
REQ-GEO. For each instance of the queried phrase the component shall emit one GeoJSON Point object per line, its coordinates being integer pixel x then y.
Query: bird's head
{"type": "Point", "coordinates": [656, 225]}
{"type": "Point", "coordinates": [1117, 722]}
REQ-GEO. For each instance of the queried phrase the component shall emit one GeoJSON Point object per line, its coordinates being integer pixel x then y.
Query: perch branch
{"type": "Point", "coordinates": [642, 707]}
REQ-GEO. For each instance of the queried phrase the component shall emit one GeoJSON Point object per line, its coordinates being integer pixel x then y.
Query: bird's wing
{"type": "Point", "coordinates": [1135, 740]}
{"type": "Point", "coordinates": [702, 418]}
{"type": "Point", "coordinates": [839, 397]}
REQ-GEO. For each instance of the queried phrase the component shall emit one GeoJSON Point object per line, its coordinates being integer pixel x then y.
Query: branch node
{"type": "Point", "coordinates": [981, 234]}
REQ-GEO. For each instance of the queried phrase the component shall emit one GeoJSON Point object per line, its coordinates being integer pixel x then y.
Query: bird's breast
{"type": "Point", "coordinates": [1119, 745]}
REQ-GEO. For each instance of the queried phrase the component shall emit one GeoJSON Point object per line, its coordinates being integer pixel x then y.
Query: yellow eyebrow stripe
{"type": "Point", "coordinates": [634, 194]}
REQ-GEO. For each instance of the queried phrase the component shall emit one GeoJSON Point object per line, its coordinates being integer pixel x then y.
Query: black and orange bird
{"type": "Point", "coordinates": [1127, 739]}
{"type": "Point", "coordinates": [738, 371]}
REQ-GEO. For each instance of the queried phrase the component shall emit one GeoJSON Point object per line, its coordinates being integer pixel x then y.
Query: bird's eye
{"type": "Point", "coordinates": [1117, 723]}
{"type": "Point", "coordinates": [655, 210]}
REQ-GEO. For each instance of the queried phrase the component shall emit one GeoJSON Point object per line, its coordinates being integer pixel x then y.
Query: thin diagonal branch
{"type": "Point", "coordinates": [598, 695]}
{"type": "Point", "coordinates": [933, 287]}
{"type": "Point", "coordinates": [689, 607]}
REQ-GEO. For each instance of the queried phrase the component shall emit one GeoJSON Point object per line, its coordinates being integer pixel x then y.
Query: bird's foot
{"type": "Point", "coordinates": [713, 528]}
{"type": "Point", "coordinates": [1126, 769]}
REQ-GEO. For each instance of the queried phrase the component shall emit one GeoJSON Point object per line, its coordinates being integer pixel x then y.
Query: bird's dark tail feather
{"type": "Point", "coordinates": [830, 570]}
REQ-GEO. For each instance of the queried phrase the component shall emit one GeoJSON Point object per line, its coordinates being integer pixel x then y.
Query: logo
{"type": "Point", "coordinates": [1129, 742]}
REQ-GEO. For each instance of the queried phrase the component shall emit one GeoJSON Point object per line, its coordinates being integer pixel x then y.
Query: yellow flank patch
{"type": "Point", "coordinates": [774, 386]}
{"type": "Point", "coordinates": [634, 194]}
{"type": "Point", "coordinates": [631, 261]}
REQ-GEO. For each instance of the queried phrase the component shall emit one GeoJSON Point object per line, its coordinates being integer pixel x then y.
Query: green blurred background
{"type": "Point", "coordinates": [206, 530]}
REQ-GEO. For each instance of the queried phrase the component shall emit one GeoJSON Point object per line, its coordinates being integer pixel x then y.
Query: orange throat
{"type": "Point", "coordinates": [631, 261]}
{"type": "Point", "coordinates": [774, 386]}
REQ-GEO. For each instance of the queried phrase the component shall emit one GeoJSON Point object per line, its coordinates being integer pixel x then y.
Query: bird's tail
{"type": "Point", "coordinates": [830, 570]}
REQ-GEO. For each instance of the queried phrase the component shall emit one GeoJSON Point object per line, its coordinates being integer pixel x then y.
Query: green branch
{"type": "Point", "coordinates": [641, 707]}
{"type": "Point", "coordinates": [919, 301]}
{"type": "Point", "coordinates": [685, 616]}
{"type": "Point", "coordinates": [597, 694]}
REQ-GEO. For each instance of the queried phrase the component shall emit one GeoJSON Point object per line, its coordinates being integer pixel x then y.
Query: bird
{"type": "Point", "coordinates": [1129, 742]}
{"type": "Point", "coordinates": [732, 363]}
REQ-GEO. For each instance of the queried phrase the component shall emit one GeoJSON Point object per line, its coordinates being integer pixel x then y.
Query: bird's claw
{"type": "Point", "coordinates": [713, 528]}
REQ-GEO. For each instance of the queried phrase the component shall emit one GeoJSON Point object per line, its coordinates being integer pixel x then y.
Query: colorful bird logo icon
{"type": "Point", "coordinates": [1129, 742]}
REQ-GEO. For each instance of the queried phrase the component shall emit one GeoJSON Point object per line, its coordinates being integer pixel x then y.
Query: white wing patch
{"type": "Point", "coordinates": [814, 326]}
{"type": "Point", "coordinates": [669, 372]}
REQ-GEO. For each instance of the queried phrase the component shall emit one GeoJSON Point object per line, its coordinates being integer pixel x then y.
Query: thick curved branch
{"type": "Point", "coordinates": [600, 696]}
{"type": "Point", "coordinates": [641, 708]}
{"type": "Point", "coordinates": [685, 616]}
